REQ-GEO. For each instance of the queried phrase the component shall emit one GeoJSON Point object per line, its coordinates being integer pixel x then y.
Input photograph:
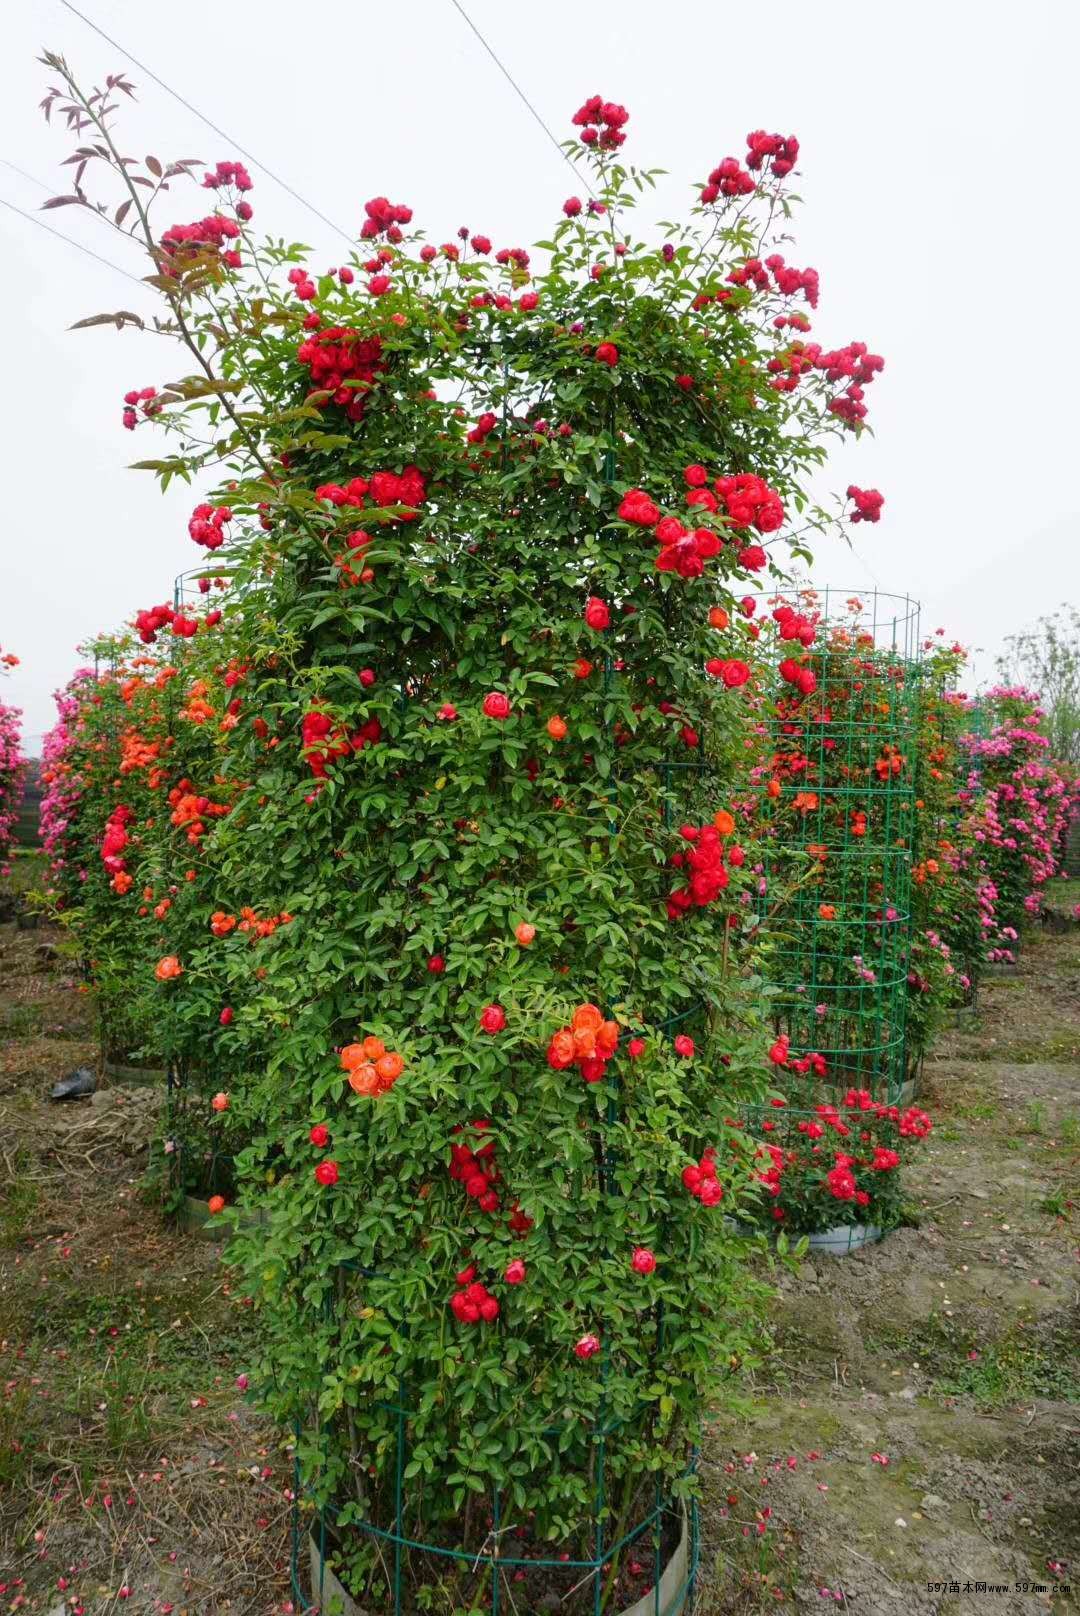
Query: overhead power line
{"type": "Point", "coordinates": [15, 169]}
{"type": "Point", "coordinates": [519, 92]}
{"type": "Point", "coordinates": [210, 124]}
{"type": "Point", "coordinates": [60, 236]}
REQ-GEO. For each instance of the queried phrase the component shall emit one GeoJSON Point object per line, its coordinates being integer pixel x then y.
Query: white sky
{"type": "Point", "coordinates": [938, 172]}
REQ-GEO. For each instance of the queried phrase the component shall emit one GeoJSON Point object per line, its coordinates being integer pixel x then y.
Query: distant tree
{"type": "Point", "coordinates": [1047, 658]}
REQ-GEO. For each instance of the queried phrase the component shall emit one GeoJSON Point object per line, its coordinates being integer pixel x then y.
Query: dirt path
{"type": "Point", "coordinates": [133, 1479]}
{"type": "Point", "coordinates": [951, 1352]}
{"type": "Point", "coordinates": [129, 1461]}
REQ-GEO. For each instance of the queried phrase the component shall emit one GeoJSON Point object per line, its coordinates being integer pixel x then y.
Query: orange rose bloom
{"type": "Point", "coordinates": [826, 911]}
{"type": "Point", "coordinates": [525, 933]}
{"type": "Point", "coordinates": [718, 618]}
{"type": "Point", "coordinates": [215, 1204]}
{"type": "Point", "coordinates": [556, 728]}
{"type": "Point", "coordinates": [389, 1068]}
{"type": "Point", "coordinates": [562, 1047]}
{"type": "Point", "coordinates": [724, 822]}
{"type": "Point", "coordinates": [168, 968]}
{"type": "Point", "coordinates": [364, 1080]}
{"type": "Point", "coordinates": [373, 1048]}
{"type": "Point", "coordinates": [607, 1039]}
{"type": "Point", "coordinates": [220, 1102]}
{"type": "Point", "coordinates": [586, 1017]}
{"type": "Point", "coordinates": [352, 1056]}
{"type": "Point", "coordinates": [584, 1041]}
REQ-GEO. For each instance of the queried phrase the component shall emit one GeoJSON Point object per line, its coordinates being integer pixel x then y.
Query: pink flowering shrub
{"type": "Point", "coordinates": [1023, 804]}
{"type": "Point", "coordinates": [59, 823]}
{"type": "Point", "coordinates": [12, 769]}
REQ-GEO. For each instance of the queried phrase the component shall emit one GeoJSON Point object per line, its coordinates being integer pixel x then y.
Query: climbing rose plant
{"type": "Point", "coordinates": [468, 956]}
{"type": "Point", "coordinates": [948, 874]}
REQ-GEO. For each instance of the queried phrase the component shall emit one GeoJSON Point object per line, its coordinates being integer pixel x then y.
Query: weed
{"type": "Point", "coordinates": [1034, 1118]}
{"type": "Point", "coordinates": [976, 1111]}
{"type": "Point", "coordinates": [1058, 1204]}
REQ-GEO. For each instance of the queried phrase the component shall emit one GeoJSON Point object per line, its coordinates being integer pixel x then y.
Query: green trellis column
{"type": "Point", "coordinates": [684, 790]}
{"type": "Point", "coordinates": [839, 787]}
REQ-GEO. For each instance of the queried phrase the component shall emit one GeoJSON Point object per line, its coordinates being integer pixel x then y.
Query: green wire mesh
{"type": "Point", "coordinates": [838, 816]}
{"type": "Point", "coordinates": [662, 1549]}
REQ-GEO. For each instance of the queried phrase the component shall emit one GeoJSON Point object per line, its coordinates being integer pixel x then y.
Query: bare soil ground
{"type": "Point", "coordinates": [917, 1423]}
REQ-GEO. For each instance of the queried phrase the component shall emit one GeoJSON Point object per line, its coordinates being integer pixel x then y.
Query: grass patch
{"type": "Point", "coordinates": [1019, 1366]}
{"type": "Point", "coordinates": [20, 1201]}
{"type": "Point", "coordinates": [1061, 1046]}
{"type": "Point", "coordinates": [21, 1021]}
{"type": "Point", "coordinates": [1015, 1370]}
{"type": "Point", "coordinates": [103, 1379]}
{"type": "Point", "coordinates": [1063, 894]}
{"type": "Point", "coordinates": [976, 1110]}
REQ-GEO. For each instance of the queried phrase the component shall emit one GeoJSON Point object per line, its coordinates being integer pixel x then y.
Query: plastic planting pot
{"type": "Point", "coordinates": [668, 1599]}
{"type": "Point", "coordinates": [844, 1238]}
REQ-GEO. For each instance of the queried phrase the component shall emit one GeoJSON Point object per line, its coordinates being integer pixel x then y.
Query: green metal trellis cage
{"type": "Point", "coordinates": [657, 1548]}
{"type": "Point", "coordinates": [658, 1543]}
{"type": "Point", "coordinates": [838, 840]}
{"type": "Point", "coordinates": [662, 1547]}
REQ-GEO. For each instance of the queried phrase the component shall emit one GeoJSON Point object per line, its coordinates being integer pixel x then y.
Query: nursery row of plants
{"type": "Point", "coordinates": [532, 897]}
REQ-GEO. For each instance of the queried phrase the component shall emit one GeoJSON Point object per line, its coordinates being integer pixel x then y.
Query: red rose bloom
{"type": "Point", "coordinates": [326, 1172]}
{"type": "Point", "coordinates": [637, 507]}
{"type": "Point", "coordinates": [496, 705]}
{"type": "Point", "coordinates": [597, 614]}
{"type": "Point", "coordinates": [493, 1018]}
